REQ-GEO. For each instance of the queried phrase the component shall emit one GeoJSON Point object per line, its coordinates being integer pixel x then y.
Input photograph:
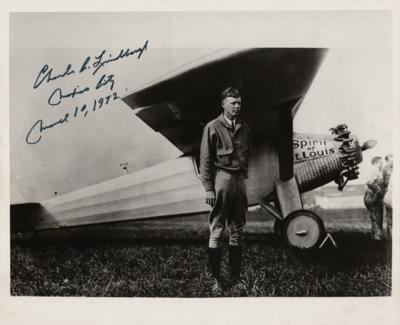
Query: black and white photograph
{"type": "Point", "coordinates": [201, 154]}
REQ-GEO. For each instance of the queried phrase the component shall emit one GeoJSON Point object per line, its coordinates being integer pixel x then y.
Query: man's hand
{"type": "Point", "coordinates": [210, 198]}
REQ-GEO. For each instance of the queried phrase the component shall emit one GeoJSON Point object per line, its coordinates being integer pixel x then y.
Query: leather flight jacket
{"type": "Point", "coordinates": [223, 147]}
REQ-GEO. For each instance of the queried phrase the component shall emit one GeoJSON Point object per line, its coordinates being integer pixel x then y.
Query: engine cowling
{"type": "Point", "coordinates": [320, 159]}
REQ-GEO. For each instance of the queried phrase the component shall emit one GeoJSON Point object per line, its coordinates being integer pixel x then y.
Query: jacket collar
{"type": "Point", "coordinates": [224, 122]}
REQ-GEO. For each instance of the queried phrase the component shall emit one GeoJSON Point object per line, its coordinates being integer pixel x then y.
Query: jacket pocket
{"type": "Point", "coordinates": [224, 156]}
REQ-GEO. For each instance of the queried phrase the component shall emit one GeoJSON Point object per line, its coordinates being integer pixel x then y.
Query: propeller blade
{"type": "Point", "coordinates": [369, 144]}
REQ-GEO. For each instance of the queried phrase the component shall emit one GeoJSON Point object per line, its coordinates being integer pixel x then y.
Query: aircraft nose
{"type": "Point", "coordinates": [357, 155]}
{"type": "Point", "coordinates": [350, 154]}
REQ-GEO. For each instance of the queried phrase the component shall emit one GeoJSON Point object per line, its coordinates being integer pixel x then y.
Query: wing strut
{"type": "Point", "coordinates": [285, 143]}
{"type": "Point", "coordinates": [286, 187]}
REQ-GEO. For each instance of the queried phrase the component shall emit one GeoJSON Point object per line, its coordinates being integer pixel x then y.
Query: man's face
{"type": "Point", "coordinates": [379, 164]}
{"type": "Point", "coordinates": [232, 106]}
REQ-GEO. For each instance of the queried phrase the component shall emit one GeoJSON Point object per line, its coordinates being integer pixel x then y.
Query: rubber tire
{"type": "Point", "coordinates": [315, 220]}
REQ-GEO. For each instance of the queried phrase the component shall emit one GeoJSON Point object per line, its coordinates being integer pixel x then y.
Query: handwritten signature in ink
{"type": "Point", "coordinates": [47, 74]}
{"type": "Point", "coordinates": [37, 130]}
{"type": "Point", "coordinates": [100, 60]}
{"type": "Point", "coordinates": [57, 96]}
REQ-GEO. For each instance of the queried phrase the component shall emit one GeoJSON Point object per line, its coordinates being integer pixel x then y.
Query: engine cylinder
{"type": "Point", "coordinates": [313, 173]}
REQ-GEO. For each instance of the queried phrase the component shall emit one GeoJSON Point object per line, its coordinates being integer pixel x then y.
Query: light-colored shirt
{"type": "Point", "coordinates": [232, 123]}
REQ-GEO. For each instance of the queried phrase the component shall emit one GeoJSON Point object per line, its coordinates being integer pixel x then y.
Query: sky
{"type": "Point", "coordinates": [353, 85]}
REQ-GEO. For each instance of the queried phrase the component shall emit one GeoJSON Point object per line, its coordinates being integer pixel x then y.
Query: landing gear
{"type": "Point", "coordinates": [303, 229]}
{"type": "Point", "coordinates": [278, 227]}
{"type": "Point", "coordinates": [299, 228]}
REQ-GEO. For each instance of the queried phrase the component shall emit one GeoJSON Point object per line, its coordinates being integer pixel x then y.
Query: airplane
{"type": "Point", "coordinates": [284, 164]}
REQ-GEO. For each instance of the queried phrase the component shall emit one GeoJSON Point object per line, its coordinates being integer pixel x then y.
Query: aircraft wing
{"type": "Point", "coordinates": [271, 81]}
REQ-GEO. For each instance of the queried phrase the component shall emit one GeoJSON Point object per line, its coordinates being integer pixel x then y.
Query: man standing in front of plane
{"type": "Point", "coordinates": [224, 154]}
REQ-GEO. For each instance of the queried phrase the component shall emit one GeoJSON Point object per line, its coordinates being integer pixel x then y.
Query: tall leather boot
{"type": "Point", "coordinates": [235, 260]}
{"type": "Point", "coordinates": [214, 258]}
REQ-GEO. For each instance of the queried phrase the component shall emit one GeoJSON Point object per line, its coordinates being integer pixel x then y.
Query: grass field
{"type": "Point", "coordinates": [167, 258]}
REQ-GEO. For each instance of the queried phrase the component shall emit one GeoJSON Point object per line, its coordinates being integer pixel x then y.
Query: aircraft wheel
{"type": "Point", "coordinates": [278, 227]}
{"type": "Point", "coordinates": [303, 229]}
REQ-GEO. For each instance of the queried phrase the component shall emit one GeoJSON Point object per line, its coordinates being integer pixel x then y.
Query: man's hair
{"type": "Point", "coordinates": [375, 160]}
{"type": "Point", "coordinates": [230, 92]}
{"type": "Point", "coordinates": [387, 157]}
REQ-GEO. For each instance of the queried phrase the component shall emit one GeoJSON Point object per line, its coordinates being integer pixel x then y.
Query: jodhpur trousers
{"type": "Point", "coordinates": [230, 208]}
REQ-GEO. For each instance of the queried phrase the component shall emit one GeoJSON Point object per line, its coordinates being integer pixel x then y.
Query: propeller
{"type": "Point", "coordinates": [368, 145]}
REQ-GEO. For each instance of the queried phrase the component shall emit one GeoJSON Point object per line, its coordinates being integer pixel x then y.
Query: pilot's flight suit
{"type": "Point", "coordinates": [224, 156]}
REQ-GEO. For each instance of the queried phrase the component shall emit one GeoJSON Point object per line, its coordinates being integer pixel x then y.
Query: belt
{"type": "Point", "coordinates": [232, 172]}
